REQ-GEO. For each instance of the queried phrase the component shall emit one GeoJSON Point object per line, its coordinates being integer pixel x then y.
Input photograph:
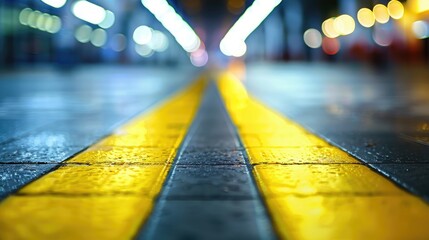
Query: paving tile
{"type": "Point", "coordinates": [351, 179]}
{"type": "Point", "coordinates": [210, 182]}
{"type": "Point", "coordinates": [132, 140]}
{"type": "Point", "coordinates": [298, 155]}
{"type": "Point", "coordinates": [14, 176]}
{"type": "Point", "coordinates": [209, 156]}
{"type": "Point", "coordinates": [350, 217]}
{"type": "Point", "coordinates": [227, 220]}
{"type": "Point", "coordinates": [214, 141]}
{"type": "Point", "coordinates": [283, 140]}
{"type": "Point", "coordinates": [381, 148]}
{"type": "Point", "coordinates": [95, 180]}
{"type": "Point", "coordinates": [203, 199]}
{"type": "Point", "coordinates": [124, 155]}
{"type": "Point", "coordinates": [78, 217]}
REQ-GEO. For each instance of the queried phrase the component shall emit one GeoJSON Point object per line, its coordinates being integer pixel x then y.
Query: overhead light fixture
{"type": "Point", "coordinates": [233, 44]}
{"type": "Point", "coordinates": [174, 23]}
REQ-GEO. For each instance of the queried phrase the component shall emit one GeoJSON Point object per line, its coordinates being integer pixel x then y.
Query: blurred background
{"type": "Point", "coordinates": [71, 32]}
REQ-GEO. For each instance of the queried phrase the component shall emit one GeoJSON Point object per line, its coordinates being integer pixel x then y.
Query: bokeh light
{"type": "Point", "coordinates": [83, 34]}
{"type": "Point", "coordinates": [199, 58]}
{"type": "Point", "coordinates": [420, 29]}
{"type": "Point", "coordinates": [108, 21]}
{"type": "Point", "coordinates": [41, 21]}
{"type": "Point", "coordinates": [159, 42]}
{"type": "Point", "coordinates": [142, 35]}
{"type": "Point", "coordinates": [313, 38]}
{"type": "Point", "coordinates": [381, 13]}
{"type": "Point", "coordinates": [344, 24]}
{"type": "Point", "coordinates": [366, 17]}
{"type": "Point", "coordinates": [119, 42]}
{"type": "Point", "coordinates": [143, 50]}
{"type": "Point", "coordinates": [396, 9]}
{"type": "Point", "coordinates": [328, 28]}
{"type": "Point", "coordinates": [382, 36]}
{"type": "Point", "coordinates": [98, 37]}
{"type": "Point", "coordinates": [330, 46]}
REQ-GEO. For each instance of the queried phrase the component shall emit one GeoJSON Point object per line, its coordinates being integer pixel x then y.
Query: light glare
{"type": "Point", "coordinates": [98, 37]}
{"type": "Point", "coordinates": [396, 9]}
{"type": "Point", "coordinates": [83, 34]}
{"type": "Point", "coordinates": [344, 24]}
{"type": "Point", "coordinates": [55, 3]}
{"type": "Point", "coordinates": [313, 38]}
{"type": "Point", "coordinates": [108, 21]}
{"type": "Point", "coordinates": [89, 12]}
{"type": "Point", "coordinates": [245, 25]}
{"type": "Point", "coordinates": [142, 35]}
{"type": "Point", "coordinates": [420, 29]}
{"type": "Point", "coordinates": [328, 28]}
{"type": "Point", "coordinates": [366, 17]}
{"type": "Point", "coordinates": [381, 13]}
{"type": "Point", "coordinates": [174, 23]}
{"type": "Point", "coordinates": [41, 21]}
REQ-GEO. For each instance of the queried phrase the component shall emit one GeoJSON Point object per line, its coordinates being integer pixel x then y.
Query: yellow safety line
{"type": "Point", "coordinates": [314, 190]}
{"type": "Point", "coordinates": [107, 191]}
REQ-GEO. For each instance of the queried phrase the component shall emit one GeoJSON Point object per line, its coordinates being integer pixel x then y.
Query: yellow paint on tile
{"type": "Point", "coordinates": [308, 179]}
{"type": "Point", "coordinates": [134, 140]}
{"type": "Point", "coordinates": [73, 217]}
{"type": "Point", "coordinates": [125, 155]}
{"type": "Point", "coordinates": [144, 180]}
{"type": "Point", "coordinates": [350, 217]}
{"type": "Point", "coordinates": [314, 190]}
{"type": "Point", "coordinates": [298, 155]}
{"type": "Point", "coordinates": [107, 191]}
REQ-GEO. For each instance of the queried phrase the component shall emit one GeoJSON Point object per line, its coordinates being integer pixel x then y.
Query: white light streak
{"type": "Point", "coordinates": [174, 23]}
{"type": "Point", "coordinates": [233, 44]}
{"type": "Point", "coordinates": [55, 3]}
{"type": "Point", "coordinates": [89, 12]}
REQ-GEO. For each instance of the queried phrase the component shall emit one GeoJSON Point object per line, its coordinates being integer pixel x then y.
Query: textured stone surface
{"type": "Point", "coordinates": [48, 116]}
{"type": "Point", "coordinates": [380, 117]}
{"type": "Point", "coordinates": [210, 193]}
{"type": "Point", "coordinates": [192, 219]}
{"type": "Point", "coordinates": [14, 175]}
{"type": "Point", "coordinates": [210, 182]}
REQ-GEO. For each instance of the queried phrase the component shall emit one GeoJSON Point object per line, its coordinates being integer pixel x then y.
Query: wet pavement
{"type": "Point", "coordinates": [379, 116]}
{"type": "Point", "coordinates": [218, 174]}
{"type": "Point", "coordinates": [210, 193]}
{"type": "Point", "coordinates": [47, 116]}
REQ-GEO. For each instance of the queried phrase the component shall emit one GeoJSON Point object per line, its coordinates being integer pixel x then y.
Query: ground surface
{"type": "Point", "coordinates": [115, 150]}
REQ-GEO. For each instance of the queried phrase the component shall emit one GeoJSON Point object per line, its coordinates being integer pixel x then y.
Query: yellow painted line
{"type": "Point", "coordinates": [314, 190]}
{"type": "Point", "coordinates": [107, 191]}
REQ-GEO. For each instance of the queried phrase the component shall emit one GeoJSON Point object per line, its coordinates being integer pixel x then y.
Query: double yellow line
{"type": "Point", "coordinates": [312, 189]}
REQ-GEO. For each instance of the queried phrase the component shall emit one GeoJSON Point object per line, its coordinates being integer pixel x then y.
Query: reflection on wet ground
{"type": "Point", "coordinates": [381, 116]}
{"type": "Point", "coordinates": [47, 116]}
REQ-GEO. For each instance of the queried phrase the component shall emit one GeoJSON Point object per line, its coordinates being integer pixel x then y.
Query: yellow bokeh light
{"type": "Point", "coordinates": [381, 13]}
{"type": "Point", "coordinates": [344, 24]}
{"type": "Point", "coordinates": [422, 5]}
{"type": "Point", "coordinates": [328, 28]}
{"type": "Point", "coordinates": [366, 17]}
{"type": "Point", "coordinates": [396, 9]}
